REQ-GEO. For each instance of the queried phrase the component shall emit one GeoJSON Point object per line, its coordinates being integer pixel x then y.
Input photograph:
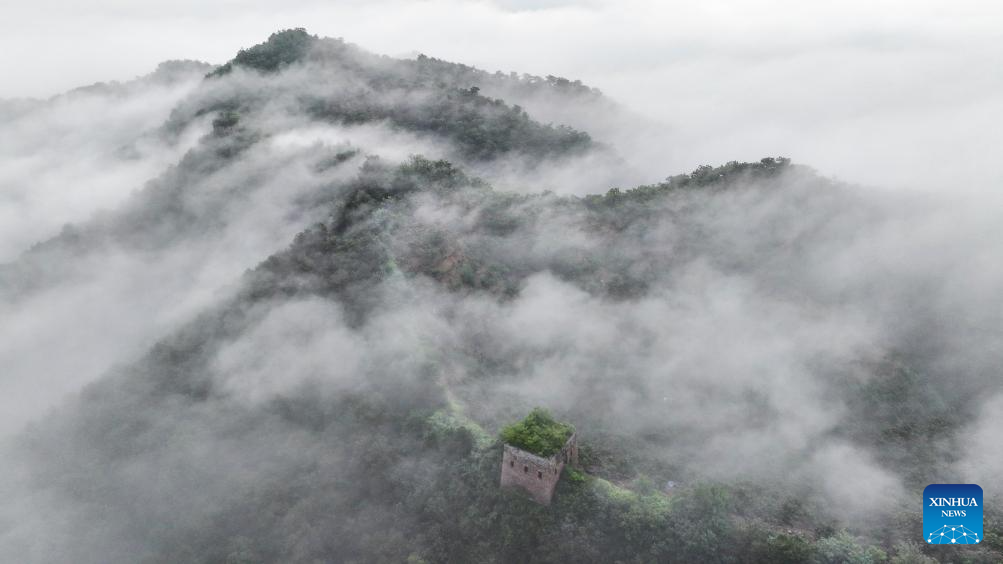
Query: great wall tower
{"type": "Point", "coordinates": [537, 473]}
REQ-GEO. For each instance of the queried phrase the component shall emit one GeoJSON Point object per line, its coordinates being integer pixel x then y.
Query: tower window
{"type": "Point", "coordinates": [525, 469]}
{"type": "Point", "coordinates": [511, 463]}
{"type": "Point", "coordinates": [539, 474]}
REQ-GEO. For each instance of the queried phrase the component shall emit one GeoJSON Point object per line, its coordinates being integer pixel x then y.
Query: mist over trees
{"type": "Point", "coordinates": [303, 338]}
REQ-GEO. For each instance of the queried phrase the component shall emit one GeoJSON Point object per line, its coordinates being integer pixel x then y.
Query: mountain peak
{"type": "Point", "coordinates": [283, 48]}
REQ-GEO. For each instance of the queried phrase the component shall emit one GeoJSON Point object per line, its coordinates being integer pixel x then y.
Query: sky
{"type": "Point", "coordinates": [895, 94]}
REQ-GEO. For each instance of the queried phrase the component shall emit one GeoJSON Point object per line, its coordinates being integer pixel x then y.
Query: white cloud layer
{"type": "Point", "coordinates": [888, 92]}
{"type": "Point", "coordinates": [898, 94]}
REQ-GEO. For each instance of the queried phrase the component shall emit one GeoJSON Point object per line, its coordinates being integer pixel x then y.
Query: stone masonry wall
{"type": "Point", "coordinates": [536, 475]}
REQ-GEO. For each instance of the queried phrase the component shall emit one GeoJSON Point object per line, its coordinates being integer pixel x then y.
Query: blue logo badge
{"type": "Point", "coordinates": [952, 514]}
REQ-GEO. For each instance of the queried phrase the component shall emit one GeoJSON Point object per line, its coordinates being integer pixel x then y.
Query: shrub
{"type": "Point", "coordinates": [538, 433]}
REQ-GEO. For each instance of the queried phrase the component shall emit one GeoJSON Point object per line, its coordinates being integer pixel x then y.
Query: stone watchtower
{"type": "Point", "coordinates": [535, 452]}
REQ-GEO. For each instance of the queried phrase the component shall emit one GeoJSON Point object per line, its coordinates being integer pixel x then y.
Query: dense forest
{"type": "Point", "coordinates": [344, 396]}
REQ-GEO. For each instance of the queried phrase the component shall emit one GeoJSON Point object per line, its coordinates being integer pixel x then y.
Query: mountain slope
{"type": "Point", "coordinates": [349, 326]}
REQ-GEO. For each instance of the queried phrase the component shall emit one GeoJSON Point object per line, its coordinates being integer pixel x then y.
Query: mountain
{"type": "Point", "coordinates": [299, 341]}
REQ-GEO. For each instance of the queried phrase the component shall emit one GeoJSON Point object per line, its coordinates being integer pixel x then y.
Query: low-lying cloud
{"type": "Point", "coordinates": [767, 306]}
{"type": "Point", "coordinates": [890, 93]}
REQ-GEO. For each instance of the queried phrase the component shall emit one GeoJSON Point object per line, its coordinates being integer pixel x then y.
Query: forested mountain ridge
{"type": "Point", "coordinates": [346, 85]}
{"type": "Point", "coordinates": [386, 314]}
{"type": "Point", "coordinates": [404, 94]}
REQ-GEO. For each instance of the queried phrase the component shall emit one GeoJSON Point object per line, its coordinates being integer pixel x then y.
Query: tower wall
{"type": "Point", "coordinates": [534, 474]}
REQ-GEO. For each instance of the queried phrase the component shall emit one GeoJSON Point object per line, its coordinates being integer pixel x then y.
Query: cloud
{"type": "Point", "coordinates": [63, 160]}
{"type": "Point", "coordinates": [123, 295]}
{"type": "Point", "coordinates": [297, 344]}
{"type": "Point", "coordinates": [888, 93]}
{"type": "Point", "coordinates": [749, 353]}
{"type": "Point", "coordinates": [981, 455]}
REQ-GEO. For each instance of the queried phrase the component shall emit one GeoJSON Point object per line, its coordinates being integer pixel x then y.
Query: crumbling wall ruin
{"type": "Point", "coordinates": [534, 474]}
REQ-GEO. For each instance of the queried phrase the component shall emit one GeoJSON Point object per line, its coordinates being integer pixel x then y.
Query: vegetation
{"type": "Point", "coordinates": [282, 48]}
{"type": "Point", "coordinates": [704, 176]}
{"type": "Point", "coordinates": [461, 515]}
{"type": "Point", "coordinates": [420, 96]}
{"type": "Point", "coordinates": [397, 455]}
{"type": "Point", "coordinates": [390, 466]}
{"type": "Point", "coordinates": [483, 128]}
{"type": "Point", "coordinates": [538, 433]}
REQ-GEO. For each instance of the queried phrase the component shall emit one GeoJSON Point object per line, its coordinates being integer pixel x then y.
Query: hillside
{"type": "Point", "coordinates": [315, 323]}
